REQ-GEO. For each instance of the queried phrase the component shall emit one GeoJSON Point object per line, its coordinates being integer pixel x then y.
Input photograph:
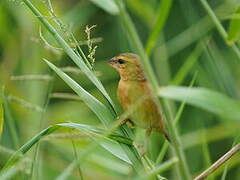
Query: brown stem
{"type": "Point", "coordinates": [218, 163]}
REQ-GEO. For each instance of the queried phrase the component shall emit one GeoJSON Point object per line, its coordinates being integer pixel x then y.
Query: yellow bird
{"type": "Point", "coordinates": [133, 88]}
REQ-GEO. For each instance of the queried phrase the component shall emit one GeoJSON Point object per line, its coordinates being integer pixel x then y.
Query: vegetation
{"type": "Point", "coordinates": [59, 114]}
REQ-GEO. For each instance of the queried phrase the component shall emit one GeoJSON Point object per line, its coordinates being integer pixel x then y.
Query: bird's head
{"type": "Point", "coordinates": [128, 66]}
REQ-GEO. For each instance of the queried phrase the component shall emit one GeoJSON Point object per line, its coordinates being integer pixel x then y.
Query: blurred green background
{"type": "Point", "coordinates": [187, 43]}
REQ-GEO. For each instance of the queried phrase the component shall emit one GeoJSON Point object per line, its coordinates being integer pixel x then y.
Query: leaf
{"type": "Point", "coordinates": [113, 136]}
{"type": "Point", "coordinates": [143, 10]}
{"type": "Point", "coordinates": [107, 5]}
{"type": "Point", "coordinates": [206, 99]}
{"type": "Point", "coordinates": [111, 142]}
{"type": "Point", "coordinates": [188, 64]}
{"type": "Point", "coordinates": [96, 106]}
{"type": "Point", "coordinates": [223, 131]}
{"type": "Point", "coordinates": [1, 112]}
{"type": "Point", "coordinates": [162, 15]}
{"type": "Point", "coordinates": [234, 29]}
{"type": "Point", "coordinates": [1, 118]}
{"type": "Point", "coordinates": [77, 59]}
{"type": "Point", "coordinates": [101, 111]}
{"type": "Point", "coordinates": [114, 149]}
{"type": "Point", "coordinates": [136, 44]}
{"type": "Point", "coordinates": [192, 33]}
{"type": "Point", "coordinates": [163, 167]}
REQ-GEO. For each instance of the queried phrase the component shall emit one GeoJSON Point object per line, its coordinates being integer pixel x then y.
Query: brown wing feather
{"type": "Point", "coordinates": [147, 114]}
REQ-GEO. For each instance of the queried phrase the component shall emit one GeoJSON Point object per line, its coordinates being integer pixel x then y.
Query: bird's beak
{"type": "Point", "coordinates": [112, 62]}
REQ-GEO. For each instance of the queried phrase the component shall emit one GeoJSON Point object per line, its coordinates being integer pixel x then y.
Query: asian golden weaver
{"type": "Point", "coordinates": [132, 86]}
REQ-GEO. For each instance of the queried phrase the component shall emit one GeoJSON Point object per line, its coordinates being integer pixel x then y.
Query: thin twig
{"type": "Point", "coordinates": [218, 163]}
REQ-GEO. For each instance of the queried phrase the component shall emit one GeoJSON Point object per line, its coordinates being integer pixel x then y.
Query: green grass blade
{"type": "Point", "coordinates": [110, 141]}
{"type": "Point", "coordinates": [69, 51]}
{"type": "Point", "coordinates": [107, 5]}
{"type": "Point", "coordinates": [143, 10]}
{"type": "Point", "coordinates": [234, 29]}
{"type": "Point", "coordinates": [188, 64]}
{"type": "Point", "coordinates": [163, 167]}
{"type": "Point", "coordinates": [223, 131]}
{"type": "Point", "coordinates": [11, 123]}
{"type": "Point", "coordinates": [96, 106]}
{"type": "Point", "coordinates": [206, 99]}
{"type": "Point", "coordinates": [218, 71]}
{"type": "Point", "coordinates": [113, 136]}
{"type": "Point", "coordinates": [1, 119]}
{"type": "Point", "coordinates": [1, 111]}
{"type": "Point", "coordinates": [103, 113]}
{"type": "Point", "coordinates": [219, 26]}
{"type": "Point", "coordinates": [27, 146]}
{"type": "Point", "coordinates": [176, 121]}
{"type": "Point", "coordinates": [10, 173]}
{"type": "Point", "coordinates": [136, 44]}
{"type": "Point", "coordinates": [214, 18]}
{"type": "Point", "coordinates": [206, 154]}
{"type": "Point", "coordinates": [163, 12]}
{"type": "Point", "coordinates": [192, 34]}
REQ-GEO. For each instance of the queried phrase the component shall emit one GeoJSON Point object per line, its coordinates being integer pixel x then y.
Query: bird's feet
{"type": "Point", "coordinates": [128, 122]}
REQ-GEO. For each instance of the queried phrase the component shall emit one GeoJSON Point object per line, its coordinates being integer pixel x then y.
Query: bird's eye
{"type": "Point", "coordinates": [121, 61]}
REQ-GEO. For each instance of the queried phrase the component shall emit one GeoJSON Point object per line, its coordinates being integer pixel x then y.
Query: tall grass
{"type": "Point", "coordinates": [63, 125]}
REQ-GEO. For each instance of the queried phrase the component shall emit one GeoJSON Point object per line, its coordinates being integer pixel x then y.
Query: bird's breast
{"type": "Point", "coordinates": [129, 92]}
{"type": "Point", "coordinates": [136, 97]}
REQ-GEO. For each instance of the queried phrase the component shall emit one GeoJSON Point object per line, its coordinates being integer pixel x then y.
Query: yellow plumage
{"type": "Point", "coordinates": [133, 90]}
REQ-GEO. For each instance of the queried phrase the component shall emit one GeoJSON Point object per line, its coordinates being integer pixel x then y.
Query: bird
{"type": "Point", "coordinates": [134, 89]}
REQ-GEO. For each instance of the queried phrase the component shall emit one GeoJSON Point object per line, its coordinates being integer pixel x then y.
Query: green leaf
{"type": "Point", "coordinates": [206, 99]}
{"type": "Point", "coordinates": [110, 143]}
{"type": "Point", "coordinates": [218, 25]}
{"type": "Point", "coordinates": [114, 149]}
{"type": "Point", "coordinates": [143, 10]}
{"type": "Point", "coordinates": [1, 118]}
{"type": "Point", "coordinates": [107, 5]}
{"type": "Point", "coordinates": [96, 106]}
{"type": "Point", "coordinates": [163, 167]}
{"type": "Point", "coordinates": [223, 131]}
{"type": "Point", "coordinates": [188, 64]}
{"type": "Point", "coordinates": [77, 59]}
{"type": "Point", "coordinates": [136, 44]}
{"type": "Point", "coordinates": [103, 113]}
{"type": "Point", "coordinates": [113, 136]}
{"type": "Point", "coordinates": [234, 29]}
{"type": "Point", "coordinates": [1, 112]}
{"type": "Point", "coordinates": [192, 33]}
{"type": "Point", "coordinates": [162, 15]}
